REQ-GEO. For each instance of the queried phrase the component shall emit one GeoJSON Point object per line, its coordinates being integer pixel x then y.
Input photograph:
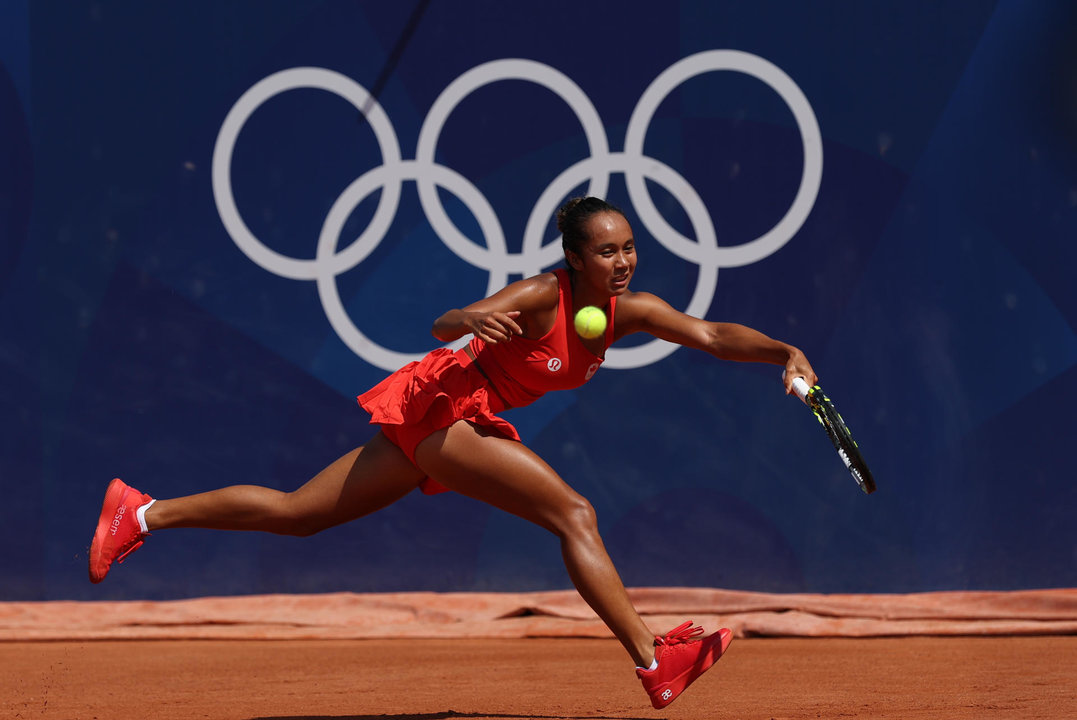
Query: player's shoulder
{"type": "Point", "coordinates": [543, 282]}
{"type": "Point", "coordinates": [637, 311]}
{"type": "Point", "coordinates": [638, 302]}
{"type": "Point", "coordinates": [542, 290]}
{"type": "Point", "coordinates": [529, 295]}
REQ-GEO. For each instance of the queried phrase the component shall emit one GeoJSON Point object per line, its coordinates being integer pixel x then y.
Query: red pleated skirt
{"type": "Point", "coordinates": [430, 394]}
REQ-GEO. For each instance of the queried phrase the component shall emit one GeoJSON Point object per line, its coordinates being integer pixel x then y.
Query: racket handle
{"type": "Point", "coordinates": [800, 387]}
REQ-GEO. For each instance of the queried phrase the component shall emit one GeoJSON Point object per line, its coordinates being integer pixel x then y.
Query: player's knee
{"type": "Point", "coordinates": [578, 517]}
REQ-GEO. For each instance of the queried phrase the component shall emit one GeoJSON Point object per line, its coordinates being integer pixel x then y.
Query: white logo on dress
{"type": "Point", "coordinates": [493, 255]}
{"type": "Point", "coordinates": [554, 364]}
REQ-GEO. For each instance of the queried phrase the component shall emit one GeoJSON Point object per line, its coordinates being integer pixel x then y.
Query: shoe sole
{"type": "Point", "coordinates": [678, 684]}
{"type": "Point", "coordinates": [113, 496]}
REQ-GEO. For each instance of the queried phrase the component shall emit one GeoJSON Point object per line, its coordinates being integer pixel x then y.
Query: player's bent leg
{"type": "Point", "coordinates": [481, 464]}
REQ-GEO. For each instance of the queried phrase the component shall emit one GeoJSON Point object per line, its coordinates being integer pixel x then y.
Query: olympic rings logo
{"type": "Point", "coordinates": [330, 260]}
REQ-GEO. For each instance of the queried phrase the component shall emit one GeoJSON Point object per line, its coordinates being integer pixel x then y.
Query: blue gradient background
{"type": "Point", "coordinates": [931, 286]}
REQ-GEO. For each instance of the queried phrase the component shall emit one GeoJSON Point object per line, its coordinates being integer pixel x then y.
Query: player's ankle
{"type": "Point", "coordinates": [649, 666]}
{"type": "Point", "coordinates": [149, 516]}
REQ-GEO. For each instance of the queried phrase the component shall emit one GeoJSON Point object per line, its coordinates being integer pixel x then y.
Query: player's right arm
{"type": "Point", "coordinates": [526, 307]}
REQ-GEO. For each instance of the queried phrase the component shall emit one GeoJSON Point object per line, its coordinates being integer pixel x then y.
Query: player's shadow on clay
{"type": "Point", "coordinates": [447, 715]}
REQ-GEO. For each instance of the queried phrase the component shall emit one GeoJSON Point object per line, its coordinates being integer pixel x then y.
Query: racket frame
{"type": "Point", "coordinates": [838, 432]}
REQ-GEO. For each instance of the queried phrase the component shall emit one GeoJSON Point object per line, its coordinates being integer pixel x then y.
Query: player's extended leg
{"type": "Point", "coordinates": [362, 481]}
{"type": "Point", "coordinates": [366, 479]}
{"type": "Point", "coordinates": [506, 474]}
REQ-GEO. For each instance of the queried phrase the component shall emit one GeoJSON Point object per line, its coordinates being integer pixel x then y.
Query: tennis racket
{"type": "Point", "coordinates": [837, 431]}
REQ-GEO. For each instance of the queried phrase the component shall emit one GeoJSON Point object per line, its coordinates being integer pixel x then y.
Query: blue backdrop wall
{"type": "Point", "coordinates": [220, 222]}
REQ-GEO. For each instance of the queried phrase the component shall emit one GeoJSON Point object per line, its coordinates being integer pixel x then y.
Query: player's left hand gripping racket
{"type": "Point", "coordinates": [837, 432]}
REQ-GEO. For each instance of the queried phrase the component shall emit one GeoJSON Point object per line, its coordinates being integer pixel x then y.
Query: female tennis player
{"type": "Point", "coordinates": [440, 429]}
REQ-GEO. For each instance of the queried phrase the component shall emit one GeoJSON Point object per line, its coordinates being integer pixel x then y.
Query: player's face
{"type": "Point", "coordinates": [608, 258]}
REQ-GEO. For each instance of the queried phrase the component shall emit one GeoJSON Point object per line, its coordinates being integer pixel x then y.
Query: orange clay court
{"type": "Point", "coordinates": [426, 656]}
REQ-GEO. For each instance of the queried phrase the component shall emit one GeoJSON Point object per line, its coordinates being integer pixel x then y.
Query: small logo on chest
{"type": "Point", "coordinates": [554, 364]}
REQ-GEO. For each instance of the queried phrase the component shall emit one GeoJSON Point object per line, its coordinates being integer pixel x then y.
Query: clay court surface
{"type": "Point", "coordinates": [414, 679]}
{"type": "Point", "coordinates": [427, 656]}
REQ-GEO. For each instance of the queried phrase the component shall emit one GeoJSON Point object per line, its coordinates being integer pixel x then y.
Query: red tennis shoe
{"type": "Point", "coordinates": [681, 659]}
{"type": "Point", "coordinates": [118, 531]}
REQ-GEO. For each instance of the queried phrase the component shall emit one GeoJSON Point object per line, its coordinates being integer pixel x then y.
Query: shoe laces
{"type": "Point", "coordinates": [130, 546]}
{"type": "Point", "coordinates": [681, 634]}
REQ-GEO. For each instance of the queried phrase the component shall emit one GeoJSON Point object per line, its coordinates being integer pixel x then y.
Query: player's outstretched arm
{"type": "Point", "coordinates": [644, 312]}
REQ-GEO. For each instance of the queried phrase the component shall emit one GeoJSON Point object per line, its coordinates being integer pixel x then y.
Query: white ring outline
{"type": "Point", "coordinates": [479, 76]}
{"type": "Point", "coordinates": [334, 223]}
{"type": "Point", "coordinates": [780, 82]}
{"type": "Point", "coordinates": [295, 78]}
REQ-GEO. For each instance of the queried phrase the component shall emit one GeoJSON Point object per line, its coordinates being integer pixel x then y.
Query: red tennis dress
{"type": "Point", "coordinates": [445, 386]}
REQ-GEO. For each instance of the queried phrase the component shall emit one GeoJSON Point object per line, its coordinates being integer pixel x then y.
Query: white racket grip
{"type": "Point", "coordinates": [800, 387]}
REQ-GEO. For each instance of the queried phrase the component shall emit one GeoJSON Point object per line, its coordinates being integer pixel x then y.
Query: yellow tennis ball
{"type": "Point", "coordinates": [590, 322]}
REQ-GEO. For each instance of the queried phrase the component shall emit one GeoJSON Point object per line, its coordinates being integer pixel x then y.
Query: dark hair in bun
{"type": "Point", "coordinates": [573, 216]}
